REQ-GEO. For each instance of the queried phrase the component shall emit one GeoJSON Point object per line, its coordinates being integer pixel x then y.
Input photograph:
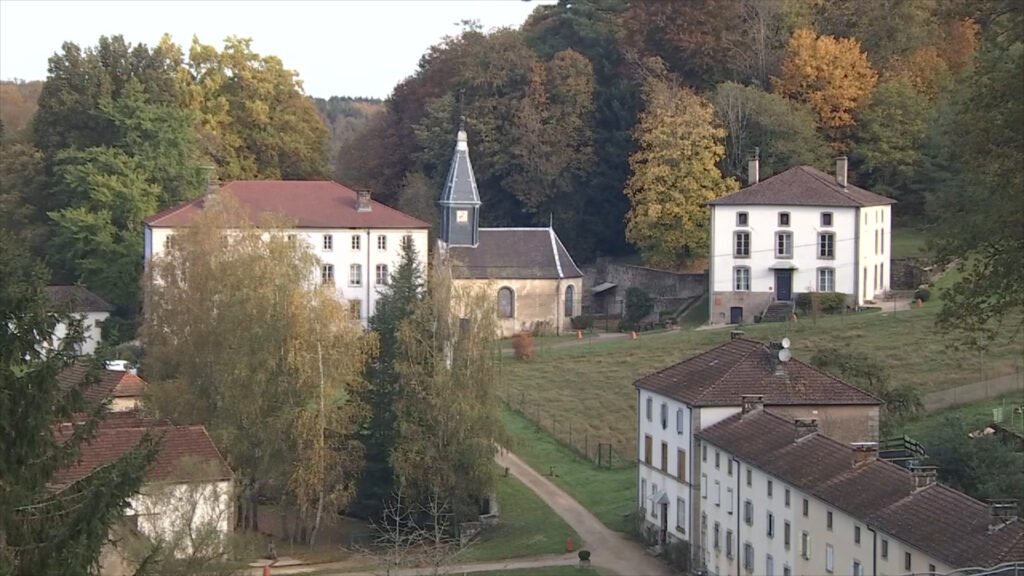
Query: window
{"type": "Point", "coordinates": [783, 218]}
{"type": "Point", "coordinates": [680, 421]}
{"type": "Point", "coordinates": [648, 448]}
{"type": "Point", "coordinates": [290, 237]}
{"type": "Point", "coordinates": [718, 536]}
{"type": "Point", "coordinates": [643, 492]}
{"type": "Point", "coordinates": [769, 565]}
{"type": "Point", "coordinates": [382, 274]}
{"type": "Point", "coordinates": [805, 507]}
{"type": "Point", "coordinates": [170, 242]}
{"type": "Point", "coordinates": [784, 244]}
{"type": "Point", "coordinates": [748, 512]}
{"type": "Point", "coordinates": [787, 571]}
{"type": "Point", "coordinates": [570, 301]}
{"type": "Point", "coordinates": [382, 242]}
{"type": "Point", "coordinates": [654, 507]}
{"type": "Point", "coordinates": [327, 274]}
{"type": "Point", "coordinates": [750, 477]}
{"type": "Point", "coordinates": [680, 514]}
{"type": "Point", "coordinates": [729, 500]}
{"type": "Point", "coordinates": [787, 497]}
{"type": "Point", "coordinates": [742, 219]}
{"type": "Point", "coordinates": [355, 275]}
{"type": "Point", "coordinates": [830, 558]}
{"type": "Point", "coordinates": [664, 457]}
{"type": "Point", "coordinates": [786, 537]}
{"type": "Point", "coordinates": [650, 408]}
{"type": "Point", "coordinates": [770, 486]}
{"type": "Point", "coordinates": [826, 246]}
{"type": "Point", "coordinates": [907, 561]}
{"type": "Point", "coordinates": [356, 306]}
{"type": "Point", "coordinates": [357, 242]}
{"type": "Point", "coordinates": [729, 467]}
{"type": "Point", "coordinates": [826, 218]}
{"type": "Point", "coordinates": [704, 486]}
{"type": "Point", "coordinates": [748, 556]}
{"type": "Point", "coordinates": [805, 545]}
{"type": "Point", "coordinates": [931, 568]}
{"type": "Point", "coordinates": [771, 524]}
{"type": "Point", "coordinates": [664, 416]}
{"type": "Point", "coordinates": [728, 543]}
{"type": "Point", "coordinates": [718, 493]}
{"type": "Point", "coordinates": [681, 465]}
{"type": "Point", "coordinates": [704, 452]}
{"type": "Point", "coordinates": [507, 304]}
{"type": "Point", "coordinates": [741, 279]}
{"type": "Point", "coordinates": [882, 235]}
{"type": "Point", "coordinates": [828, 520]}
{"type": "Point", "coordinates": [741, 245]}
{"type": "Point", "coordinates": [328, 242]}
{"type": "Point", "coordinates": [858, 570]}
{"type": "Point", "coordinates": [826, 279]}
{"type": "Point", "coordinates": [718, 458]}
{"type": "Point", "coordinates": [856, 534]}
{"type": "Point", "coordinates": [885, 548]}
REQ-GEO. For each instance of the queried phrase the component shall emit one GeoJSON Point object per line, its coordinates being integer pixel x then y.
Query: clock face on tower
{"type": "Point", "coordinates": [462, 216]}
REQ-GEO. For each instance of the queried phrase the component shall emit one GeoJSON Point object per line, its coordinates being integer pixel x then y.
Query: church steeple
{"type": "Point", "coordinates": [460, 201]}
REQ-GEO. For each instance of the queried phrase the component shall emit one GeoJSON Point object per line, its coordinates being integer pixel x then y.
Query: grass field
{"type": "Point", "coordinates": [976, 415]}
{"type": "Point", "coordinates": [608, 494]}
{"type": "Point", "coordinates": [549, 571]}
{"type": "Point", "coordinates": [528, 527]}
{"type": "Point", "coordinates": [908, 242]}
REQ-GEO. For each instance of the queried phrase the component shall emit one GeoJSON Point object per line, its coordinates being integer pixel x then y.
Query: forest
{"type": "Point", "coordinates": [614, 120]}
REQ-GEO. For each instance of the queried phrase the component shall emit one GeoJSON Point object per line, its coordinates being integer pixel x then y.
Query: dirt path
{"type": "Point", "coordinates": [610, 551]}
{"type": "Point", "coordinates": [346, 568]}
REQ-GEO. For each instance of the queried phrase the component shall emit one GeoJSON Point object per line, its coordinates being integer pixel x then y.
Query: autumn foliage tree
{"type": "Point", "coordinates": [830, 74]}
{"type": "Point", "coordinates": [675, 172]}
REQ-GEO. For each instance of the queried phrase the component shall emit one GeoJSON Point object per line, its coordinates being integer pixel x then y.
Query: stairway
{"type": "Point", "coordinates": [778, 312]}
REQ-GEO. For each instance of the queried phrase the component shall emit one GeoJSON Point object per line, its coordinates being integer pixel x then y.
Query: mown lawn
{"type": "Point", "coordinates": [608, 494]}
{"type": "Point", "coordinates": [590, 386]}
{"type": "Point", "coordinates": [975, 415]}
{"type": "Point", "coordinates": [549, 571]}
{"type": "Point", "coordinates": [527, 528]}
{"type": "Point", "coordinates": [907, 242]}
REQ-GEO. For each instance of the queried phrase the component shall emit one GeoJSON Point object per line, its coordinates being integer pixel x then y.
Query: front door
{"type": "Point", "coordinates": [736, 315]}
{"type": "Point", "coordinates": [663, 533]}
{"type": "Point", "coordinates": [783, 285]}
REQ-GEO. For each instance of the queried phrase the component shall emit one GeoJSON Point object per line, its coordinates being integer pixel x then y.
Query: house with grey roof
{"type": "Point", "coordinates": [536, 284]}
{"type": "Point", "coordinates": [800, 231]}
{"type": "Point", "coordinates": [86, 307]}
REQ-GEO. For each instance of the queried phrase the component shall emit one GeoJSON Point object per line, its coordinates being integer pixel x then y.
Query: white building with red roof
{"type": "Point", "coordinates": [357, 239]}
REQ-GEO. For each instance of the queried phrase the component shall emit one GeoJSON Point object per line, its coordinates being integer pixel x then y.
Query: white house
{"type": "Point", "coordinates": [799, 231]}
{"type": "Point", "coordinates": [675, 403]}
{"type": "Point", "coordinates": [796, 502]}
{"type": "Point", "coordinates": [358, 240]}
{"type": "Point", "coordinates": [87, 307]}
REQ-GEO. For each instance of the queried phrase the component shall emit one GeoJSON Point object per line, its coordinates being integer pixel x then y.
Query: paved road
{"type": "Point", "coordinates": [610, 551]}
{"type": "Point", "coordinates": [346, 568]}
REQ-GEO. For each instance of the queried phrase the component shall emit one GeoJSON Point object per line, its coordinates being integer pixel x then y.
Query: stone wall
{"type": "Point", "coordinates": [669, 289]}
{"type": "Point", "coordinates": [907, 273]}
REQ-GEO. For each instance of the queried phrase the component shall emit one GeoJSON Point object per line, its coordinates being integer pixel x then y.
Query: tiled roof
{"type": "Point", "coordinates": [938, 520]}
{"type": "Point", "coordinates": [309, 203]}
{"type": "Point", "coordinates": [110, 383]}
{"type": "Point", "coordinates": [180, 446]}
{"type": "Point", "coordinates": [803, 186]}
{"type": "Point", "coordinates": [78, 298]}
{"type": "Point", "coordinates": [723, 375]}
{"type": "Point", "coordinates": [129, 386]}
{"type": "Point", "coordinates": [514, 253]}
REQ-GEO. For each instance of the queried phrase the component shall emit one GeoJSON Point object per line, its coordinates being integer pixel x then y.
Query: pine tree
{"type": "Point", "coordinates": [45, 531]}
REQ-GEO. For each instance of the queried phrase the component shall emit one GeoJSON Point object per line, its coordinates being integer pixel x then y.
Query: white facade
{"type": "Point", "coordinates": [186, 515]}
{"type": "Point", "coordinates": [358, 261]}
{"type": "Point", "coordinates": [92, 325]}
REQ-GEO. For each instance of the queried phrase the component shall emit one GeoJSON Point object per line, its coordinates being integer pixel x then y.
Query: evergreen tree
{"type": "Point", "coordinates": [396, 303]}
{"type": "Point", "coordinates": [45, 531]}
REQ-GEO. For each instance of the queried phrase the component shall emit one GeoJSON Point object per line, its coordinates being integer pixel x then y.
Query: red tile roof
{"type": "Point", "coordinates": [938, 520]}
{"type": "Point", "coordinates": [803, 186]}
{"type": "Point", "coordinates": [129, 386]}
{"type": "Point", "coordinates": [78, 298]}
{"type": "Point", "coordinates": [110, 383]}
{"type": "Point", "coordinates": [309, 203]}
{"type": "Point", "coordinates": [723, 375]}
{"type": "Point", "coordinates": [187, 453]}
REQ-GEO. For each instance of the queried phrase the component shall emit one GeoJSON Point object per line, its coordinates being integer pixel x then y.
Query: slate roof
{"type": "Point", "coordinates": [308, 203]}
{"type": "Point", "coordinates": [938, 520]}
{"type": "Point", "coordinates": [803, 186]}
{"type": "Point", "coordinates": [110, 383]}
{"type": "Point", "coordinates": [179, 445]}
{"type": "Point", "coordinates": [514, 253]}
{"type": "Point", "coordinates": [460, 184]}
{"type": "Point", "coordinates": [78, 298]}
{"type": "Point", "coordinates": [723, 375]}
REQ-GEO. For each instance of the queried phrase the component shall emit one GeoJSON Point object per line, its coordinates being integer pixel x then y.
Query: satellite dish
{"type": "Point", "coordinates": [785, 355]}
{"type": "Point", "coordinates": [785, 342]}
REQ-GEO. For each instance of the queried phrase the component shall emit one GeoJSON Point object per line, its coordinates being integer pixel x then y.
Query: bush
{"type": "Point", "coordinates": [828, 302]}
{"type": "Point", "coordinates": [523, 344]}
{"type": "Point", "coordinates": [582, 322]}
{"type": "Point", "coordinates": [584, 555]}
{"type": "Point", "coordinates": [542, 328]}
{"type": "Point", "coordinates": [922, 294]}
{"type": "Point", "coordinates": [638, 304]}
{"type": "Point", "coordinates": [625, 325]}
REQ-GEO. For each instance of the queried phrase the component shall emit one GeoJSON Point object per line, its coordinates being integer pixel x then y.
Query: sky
{"type": "Point", "coordinates": [338, 47]}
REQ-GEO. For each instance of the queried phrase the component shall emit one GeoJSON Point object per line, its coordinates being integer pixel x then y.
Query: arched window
{"type": "Point", "coordinates": [570, 301]}
{"type": "Point", "coordinates": [506, 303]}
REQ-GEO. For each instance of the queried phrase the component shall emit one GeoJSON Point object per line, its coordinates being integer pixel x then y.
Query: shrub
{"type": "Point", "coordinates": [584, 555]}
{"type": "Point", "coordinates": [582, 322]}
{"type": "Point", "coordinates": [542, 328]}
{"type": "Point", "coordinates": [625, 325]}
{"type": "Point", "coordinates": [828, 302]}
{"type": "Point", "coordinates": [523, 344]}
{"type": "Point", "coordinates": [922, 294]}
{"type": "Point", "coordinates": [638, 304]}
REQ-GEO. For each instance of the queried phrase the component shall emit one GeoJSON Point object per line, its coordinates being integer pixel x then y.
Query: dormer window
{"type": "Point", "coordinates": [826, 219]}
{"type": "Point", "coordinates": [742, 219]}
{"type": "Point", "coordinates": [783, 218]}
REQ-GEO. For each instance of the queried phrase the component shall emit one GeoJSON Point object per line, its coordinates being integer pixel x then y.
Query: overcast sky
{"type": "Point", "coordinates": [343, 48]}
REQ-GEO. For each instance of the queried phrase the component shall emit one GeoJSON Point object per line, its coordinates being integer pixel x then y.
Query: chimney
{"type": "Point", "coordinates": [864, 452]}
{"type": "Point", "coordinates": [1001, 513]}
{"type": "Point", "coordinates": [841, 171]}
{"type": "Point", "coordinates": [923, 476]}
{"type": "Point", "coordinates": [753, 170]}
{"type": "Point", "coordinates": [363, 200]}
{"type": "Point", "coordinates": [805, 427]}
{"type": "Point", "coordinates": [752, 402]}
